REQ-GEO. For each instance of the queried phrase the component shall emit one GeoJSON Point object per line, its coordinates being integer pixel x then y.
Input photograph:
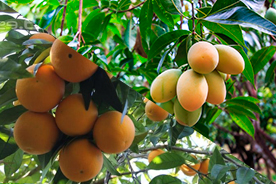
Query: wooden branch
{"type": "Point", "coordinates": [63, 17]}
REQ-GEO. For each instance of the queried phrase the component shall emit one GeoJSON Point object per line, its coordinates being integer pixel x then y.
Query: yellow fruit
{"type": "Point", "coordinates": [43, 36]}
{"type": "Point", "coordinates": [72, 118]}
{"type": "Point", "coordinates": [230, 60]}
{"type": "Point", "coordinates": [163, 87]}
{"type": "Point", "coordinates": [42, 92]}
{"type": "Point", "coordinates": [80, 161]}
{"type": "Point", "coordinates": [111, 135]}
{"type": "Point", "coordinates": [192, 90]}
{"type": "Point", "coordinates": [216, 88]}
{"type": "Point", "coordinates": [185, 117]}
{"type": "Point", "coordinates": [203, 57]}
{"type": "Point", "coordinates": [154, 112]}
{"type": "Point", "coordinates": [232, 182]}
{"type": "Point", "coordinates": [36, 133]}
{"type": "Point", "coordinates": [187, 170]}
{"type": "Point", "coordinates": [168, 106]}
{"type": "Point", "coordinates": [154, 153]}
{"type": "Point", "coordinates": [69, 64]}
{"type": "Point", "coordinates": [204, 166]}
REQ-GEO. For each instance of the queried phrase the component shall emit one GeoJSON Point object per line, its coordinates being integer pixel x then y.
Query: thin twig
{"type": "Point", "coordinates": [80, 23]}
{"type": "Point", "coordinates": [122, 11]}
{"type": "Point", "coordinates": [63, 17]}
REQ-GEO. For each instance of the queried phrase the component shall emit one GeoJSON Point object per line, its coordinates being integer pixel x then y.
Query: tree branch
{"type": "Point", "coordinates": [63, 17]}
{"type": "Point", "coordinates": [122, 11]}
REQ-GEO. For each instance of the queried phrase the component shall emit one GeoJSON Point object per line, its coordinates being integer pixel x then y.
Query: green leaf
{"type": "Point", "coordinates": [164, 40]}
{"type": "Point", "coordinates": [255, 5]}
{"type": "Point", "coordinates": [201, 128]}
{"type": "Point", "coordinates": [244, 175]}
{"type": "Point", "coordinates": [248, 98]}
{"type": "Point", "coordinates": [161, 13]}
{"type": "Point", "coordinates": [48, 17]}
{"type": "Point", "coordinates": [165, 179]}
{"type": "Point", "coordinates": [212, 115]}
{"type": "Point", "coordinates": [261, 58]}
{"type": "Point", "coordinates": [130, 34]}
{"type": "Point", "coordinates": [7, 93]}
{"type": "Point", "coordinates": [240, 110]}
{"type": "Point", "coordinates": [95, 24]}
{"type": "Point", "coordinates": [145, 19]}
{"type": "Point", "coordinates": [270, 74]}
{"type": "Point", "coordinates": [7, 148]}
{"type": "Point", "coordinates": [236, 16]}
{"type": "Point", "coordinates": [13, 162]}
{"type": "Point", "coordinates": [166, 161]}
{"type": "Point", "coordinates": [7, 47]}
{"type": "Point", "coordinates": [123, 4]}
{"type": "Point", "coordinates": [245, 103]}
{"type": "Point", "coordinates": [10, 115]}
{"type": "Point", "coordinates": [110, 167]}
{"type": "Point", "coordinates": [218, 171]}
{"type": "Point", "coordinates": [216, 158]}
{"type": "Point", "coordinates": [243, 122]}
{"type": "Point", "coordinates": [172, 6]}
{"type": "Point", "coordinates": [232, 31]}
{"type": "Point", "coordinates": [221, 5]}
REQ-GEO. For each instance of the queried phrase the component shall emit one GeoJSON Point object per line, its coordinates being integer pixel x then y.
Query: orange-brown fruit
{"type": "Point", "coordinates": [154, 112]}
{"type": "Point", "coordinates": [69, 64]}
{"type": "Point", "coordinates": [232, 182]}
{"type": "Point", "coordinates": [42, 92]}
{"type": "Point", "coordinates": [187, 170]}
{"type": "Point", "coordinates": [43, 36]}
{"type": "Point", "coordinates": [192, 90]}
{"type": "Point", "coordinates": [80, 161]}
{"type": "Point", "coordinates": [72, 118]}
{"type": "Point", "coordinates": [113, 135]}
{"type": "Point", "coordinates": [216, 88]}
{"type": "Point", "coordinates": [154, 153]}
{"type": "Point", "coordinates": [36, 133]}
{"type": "Point", "coordinates": [203, 57]}
{"type": "Point", "coordinates": [204, 166]}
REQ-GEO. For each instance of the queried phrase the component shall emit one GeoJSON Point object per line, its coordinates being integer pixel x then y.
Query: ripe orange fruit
{"type": "Point", "coordinates": [72, 118]}
{"type": "Point", "coordinates": [42, 92]}
{"type": "Point", "coordinates": [232, 182]}
{"type": "Point", "coordinates": [111, 135]}
{"type": "Point", "coordinates": [43, 36]}
{"type": "Point", "coordinates": [36, 133]}
{"type": "Point", "coordinates": [187, 170]}
{"type": "Point", "coordinates": [80, 160]}
{"type": "Point", "coordinates": [154, 153]}
{"type": "Point", "coordinates": [69, 64]}
{"type": "Point", "coordinates": [204, 166]}
{"type": "Point", "coordinates": [154, 112]}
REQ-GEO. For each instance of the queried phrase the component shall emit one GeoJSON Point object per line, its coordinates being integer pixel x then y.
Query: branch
{"type": "Point", "coordinates": [226, 130]}
{"type": "Point", "coordinates": [63, 17]}
{"type": "Point", "coordinates": [122, 11]}
{"type": "Point", "coordinates": [267, 137]}
{"type": "Point", "coordinates": [80, 23]}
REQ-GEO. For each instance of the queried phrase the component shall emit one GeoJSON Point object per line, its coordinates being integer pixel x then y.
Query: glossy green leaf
{"type": "Point", "coordinates": [7, 148]}
{"type": "Point", "coordinates": [48, 17]}
{"type": "Point", "coordinates": [261, 58]}
{"type": "Point", "coordinates": [130, 34]}
{"type": "Point", "coordinates": [108, 165]}
{"type": "Point", "coordinates": [123, 4]}
{"type": "Point", "coordinates": [243, 122]}
{"type": "Point", "coordinates": [165, 179]}
{"type": "Point", "coordinates": [162, 14]}
{"type": "Point", "coordinates": [212, 115]}
{"type": "Point", "coordinates": [248, 98]}
{"type": "Point", "coordinates": [95, 23]}
{"type": "Point", "coordinates": [172, 6]}
{"type": "Point", "coordinates": [10, 115]}
{"type": "Point", "coordinates": [13, 162]}
{"type": "Point", "coordinates": [7, 47]}
{"type": "Point", "coordinates": [202, 129]}
{"type": "Point", "coordinates": [166, 161]}
{"type": "Point", "coordinates": [218, 171]}
{"type": "Point", "coordinates": [245, 103]}
{"type": "Point", "coordinates": [270, 74]}
{"type": "Point", "coordinates": [221, 5]}
{"type": "Point", "coordinates": [145, 19]}
{"type": "Point", "coordinates": [255, 5]}
{"type": "Point", "coordinates": [240, 110]}
{"type": "Point", "coordinates": [216, 158]}
{"type": "Point", "coordinates": [164, 41]}
{"type": "Point", "coordinates": [244, 175]}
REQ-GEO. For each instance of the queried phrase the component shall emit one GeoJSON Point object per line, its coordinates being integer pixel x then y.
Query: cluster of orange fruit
{"type": "Point", "coordinates": [183, 94]}
{"type": "Point", "coordinates": [37, 131]}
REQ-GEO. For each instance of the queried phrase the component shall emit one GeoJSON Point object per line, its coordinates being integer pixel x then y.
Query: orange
{"type": "Point", "coordinates": [154, 112]}
{"type": "Point", "coordinates": [42, 92]}
{"type": "Point", "coordinates": [43, 36]}
{"type": "Point", "coordinates": [232, 182]}
{"type": "Point", "coordinates": [72, 118]}
{"type": "Point", "coordinates": [80, 160]}
{"type": "Point", "coordinates": [154, 153]}
{"type": "Point", "coordinates": [204, 166]}
{"type": "Point", "coordinates": [111, 135]}
{"type": "Point", "coordinates": [36, 133]}
{"type": "Point", "coordinates": [187, 170]}
{"type": "Point", "coordinates": [69, 64]}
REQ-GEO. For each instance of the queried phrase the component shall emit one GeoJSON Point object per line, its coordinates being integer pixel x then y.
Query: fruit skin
{"type": "Point", "coordinates": [163, 87]}
{"type": "Point", "coordinates": [69, 64]}
{"type": "Point", "coordinates": [72, 118]}
{"type": "Point", "coordinates": [203, 57]}
{"type": "Point", "coordinates": [271, 15]}
{"type": "Point", "coordinates": [230, 60]}
{"type": "Point", "coordinates": [204, 166]}
{"type": "Point", "coordinates": [43, 36]}
{"type": "Point", "coordinates": [154, 153]}
{"type": "Point", "coordinates": [154, 112]}
{"type": "Point", "coordinates": [42, 92]}
{"type": "Point", "coordinates": [187, 170]}
{"type": "Point", "coordinates": [168, 106]}
{"type": "Point", "coordinates": [80, 160]}
{"type": "Point", "coordinates": [185, 117]}
{"type": "Point", "coordinates": [111, 135]}
{"type": "Point", "coordinates": [216, 88]}
{"type": "Point", "coordinates": [36, 133]}
{"type": "Point", "coordinates": [192, 90]}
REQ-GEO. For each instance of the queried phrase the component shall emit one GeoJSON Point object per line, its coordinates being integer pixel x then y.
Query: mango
{"type": "Point", "coordinates": [216, 88]}
{"type": "Point", "coordinates": [203, 57]}
{"type": "Point", "coordinates": [168, 106]}
{"type": "Point", "coordinates": [271, 15]}
{"type": "Point", "coordinates": [163, 87]}
{"type": "Point", "coordinates": [192, 90]}
{"type": "Point", "coordinates": [154, 112]}
{"type": "Point", "coordinates": [185, 117]}
{"type": "Point", "coordinates": [230, 60]}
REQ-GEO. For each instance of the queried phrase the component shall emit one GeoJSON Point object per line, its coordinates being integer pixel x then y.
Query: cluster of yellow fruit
{"type": "Point", "coordinates": [37, 131]}
{"type": "Point", "coordinates": [210, 66]}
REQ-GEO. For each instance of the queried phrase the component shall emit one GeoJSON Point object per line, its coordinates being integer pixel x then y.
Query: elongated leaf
{"type": "Point", "coordinates": [108, 165]}
{"type": "Point", "coordinates": [244, 17]}
{"type": "Point", "coordinates": [162, 61]}
{"type": "Point", "coordinates": [245, 103]}
{"type": "Point", "coordinates": [218, 171]}
{"type": "Point", "coordinates": [48, 17]}
{"type": "Point", "coordinates": [270, 74]}
{"type": "Point", "coordinates": [261, 58]}
{"type": "Point", "coordinates": [123, 4]}
{"type": "Point", "coordinates": [7, 148]}
{"type": "Point", "coordinates": [232, 31]}
{"type": "Point", "coordinates": [165, 179]}
{"type": "Point", "coordinates": [244, 175]}
{"type": "Point", "coordinates": [202, 129]}
{"type": "Point", "coordinates": [221, 5]}
{"type": "Point", "coordinates": [162, 14]}
{"type": "Point", "coordinates": [166, 161]}
{"type": "Point", "coordinates": [96, 22]}
{"type": "Point", "coordinates": [165, 40]}
{"type": "Point", "coordinates": [172, 6]}
{"type": "Point", "coordinates": [255, 5]}
{"type": "Point", "coordinates": [216, 158]}
{"type": "Point", "coordinates": [9, 116]}
{"type": "Point", "coordinates": [7, 47]}
{"type": "Point", "coordinates": [145, 18]}
{"type": "Point", "coordinates": [243, 122]}
{"type": "Point", "coordinates": [13, 162]}
{"type": "Point", "coordinates": [130, 35]}
{"type": "Point", "coordinates": [248, 98]}
{"type": "Point", "coordinates": [212, 115]}
{"type": "Point", "coordinates": [240, 110]}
